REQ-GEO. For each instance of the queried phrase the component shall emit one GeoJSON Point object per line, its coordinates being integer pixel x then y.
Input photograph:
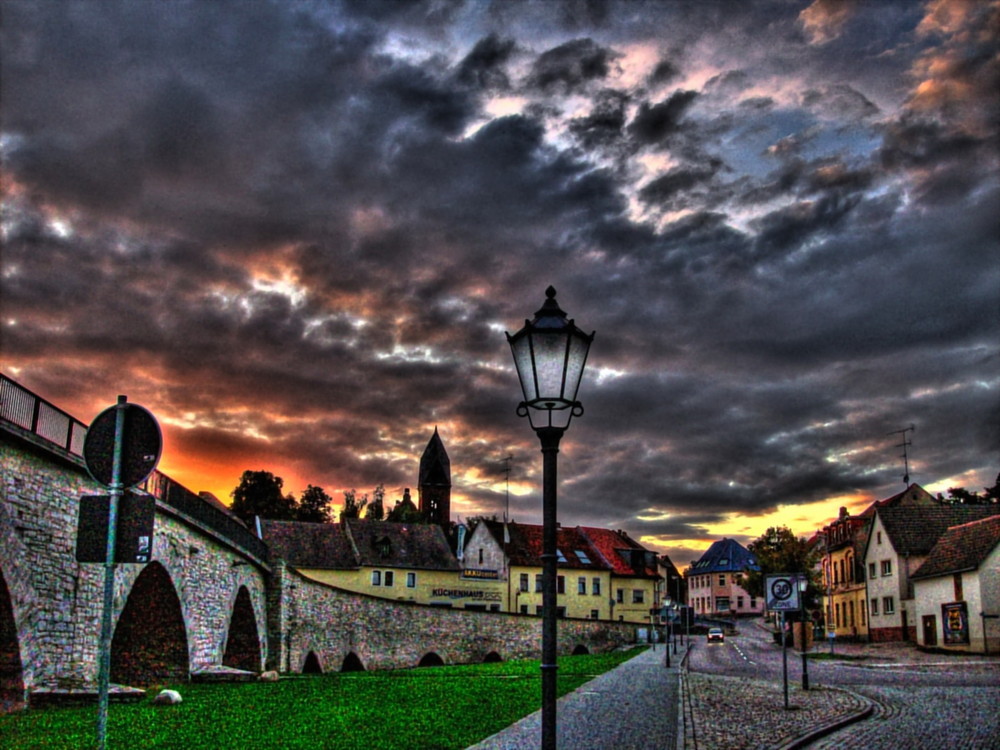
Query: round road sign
{"type": "Point", "coordinates": [141, 444]}
{"type": "Point", "coordinates": [781, 589]}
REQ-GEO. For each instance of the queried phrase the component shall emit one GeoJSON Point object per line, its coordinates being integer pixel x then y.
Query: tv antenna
{"type": "Point", "coordinates": [506, 470]}
{"type": "Point", "coordinates": [904, 445]}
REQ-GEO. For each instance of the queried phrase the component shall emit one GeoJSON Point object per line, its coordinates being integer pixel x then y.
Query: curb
{"type": "Point", "coordinates": [684, 736]}
{"type": "Point", "coordinates": [804, 740]}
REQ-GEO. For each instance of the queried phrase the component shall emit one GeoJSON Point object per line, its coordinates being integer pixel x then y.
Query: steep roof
{"type": "Point", "coordinates": [309, 545]}
{"type": "Point", "coordinates": [580, 547]}
{"type": "Point", "coordinates": [401, 545]}
{"type": "Point", "coordinates": [435, 466]}
{"type": "Point", "coordinates": [724, 556]}
{"type": "Point", "coordinates": [625, 555]}
{"type": "Point", "coordinates": [962, 548]}
{"type": "Point", "coordinates": [913, 530]}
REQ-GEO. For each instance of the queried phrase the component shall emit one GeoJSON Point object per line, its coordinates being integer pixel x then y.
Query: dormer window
{"type": "Point", "coordinates": [383, 546]}
{"type": "Point", "coordinates": [582, 556]}
{"type": "Point", "coordinates": [560, 557]}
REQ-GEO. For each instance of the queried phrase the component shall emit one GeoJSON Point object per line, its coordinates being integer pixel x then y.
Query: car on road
{"type": "Point", "coordinates": [716, 634]}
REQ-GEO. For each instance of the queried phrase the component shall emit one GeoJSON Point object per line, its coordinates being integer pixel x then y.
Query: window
{"type": "Point", "coordinates": [389, 576]}
{"type": "Point", "coordinates": [560, 584]}
{"type": "Point", "coordinates": [888, 606]}
{"type": "Point", "coordinates": [595, 587]}
{"type": "Point", "coordinates": [524, 582]}
{"type": "Point", "coordinates": [538, 610]}
{"type": "Point", "coordinates": [594, 614]}
{"type": "Point", "coordinates": [538, 583]}
{"type": "Point", "coordinates": [620, 596]}
{"type": "Point", "coordinates": [637, 596]}
{"type": "Point", "coordinates": [871, 570]}
{"type": "Point", "coordinates": [411, 580]}
{"type": "Point", "coordinates": [376, 578]}
{"type": "Point", "coordinates": [739, 602]}
{"type": "Point", "coordinates": [850, 613]}
{"type": "Point", "coordinates": [887, 567]}
{"type": "Point", "coordinates": [722, 580]}
{"type": "Point", "coordinates": [560, 557]}
{"type": "Point", "coordinates": [524, 609]}
{"type": "Point", "coordinates": [878, 537]}
{"type": "Point", "coordinates": [560, 612]}
{"type": "Point", "coordinates": [836, 620]}
{"type": "Point", "coordinates": [582, 556]}
{"type": "Point", "coordinates": [874, 604]}
{"type": "Point", "coordinates": [722, 604]}
{"type": "Point", "coordinates": [957, 583]}
{"type": "Point", "coordinates": [753, 602]}
{"type": "Point", "coordinates": [480, 555]}
{"type": "Point", "coordinates": [581, 585]}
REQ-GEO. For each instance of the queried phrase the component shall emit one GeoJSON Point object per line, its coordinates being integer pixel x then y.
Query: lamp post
{"type": "Point", "coordinates": [549, 353]}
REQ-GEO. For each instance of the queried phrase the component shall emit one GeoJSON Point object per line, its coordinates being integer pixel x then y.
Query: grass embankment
{"type": "Point", "coordinates": [439, 708]}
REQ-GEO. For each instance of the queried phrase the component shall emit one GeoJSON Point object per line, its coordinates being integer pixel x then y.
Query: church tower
{"type": "Point", "coordinates": [434, 482]}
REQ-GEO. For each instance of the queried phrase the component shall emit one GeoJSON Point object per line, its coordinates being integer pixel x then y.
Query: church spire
{"type": "Point", "coordinates": [434, 482]}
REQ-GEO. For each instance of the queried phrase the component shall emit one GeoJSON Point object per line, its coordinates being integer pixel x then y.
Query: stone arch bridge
{"type": "Point", "coordinates": [211, 597]}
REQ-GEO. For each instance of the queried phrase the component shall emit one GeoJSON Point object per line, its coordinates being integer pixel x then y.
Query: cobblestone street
{"type": "Point", "coordinates": [923, 718]}
{"type": "Point", "coordinates": [734, 713]}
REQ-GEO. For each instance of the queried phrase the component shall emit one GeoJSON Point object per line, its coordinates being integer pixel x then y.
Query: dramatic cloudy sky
{"type": "Point", "coordinates": [297, 231]}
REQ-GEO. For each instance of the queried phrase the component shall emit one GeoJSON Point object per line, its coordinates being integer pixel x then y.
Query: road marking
{"type": "Point", "coordinates": [745, 657]}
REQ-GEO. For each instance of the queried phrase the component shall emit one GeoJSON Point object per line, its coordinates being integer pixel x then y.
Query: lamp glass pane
{"type": "Point", "coordinates": [578, 348]}
{"type": "Point", "coordinates": [521, 348]}
{"type": "Point", "coordinates": [550, 357]}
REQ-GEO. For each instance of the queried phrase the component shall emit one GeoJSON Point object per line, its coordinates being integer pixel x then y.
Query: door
{"type": "Point", "coordinates": [930, 630]}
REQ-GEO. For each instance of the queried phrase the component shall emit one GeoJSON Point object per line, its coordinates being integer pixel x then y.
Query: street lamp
{"type": "Point", "coordinates": [549, 353]}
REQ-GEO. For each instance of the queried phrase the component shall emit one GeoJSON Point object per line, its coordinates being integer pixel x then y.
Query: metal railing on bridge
{"type": "Point", "coordinates": [32, 413]}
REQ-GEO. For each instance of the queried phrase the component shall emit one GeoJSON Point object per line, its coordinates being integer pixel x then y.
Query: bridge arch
{"type": "Point", "coordinates": [352, 663]}
{"type": "Point", "coordinates": [312, 665]}
{"type": "Point", "coordinates": [243, 640]}
{"type": "Point", "coordinates": [11, 669]}
{"type": "Point", "coordinates": [492, 657]}
{"type": "Point", "coordinates": [580, 650]}
{"type": "Point", "coordinates": [149, 646]}
{"type": "Point", "coordinates": [431, 659]}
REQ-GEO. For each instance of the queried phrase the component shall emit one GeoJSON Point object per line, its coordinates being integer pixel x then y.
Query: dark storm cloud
{"type": "Point", "coordinates": [655, 122]}
{"type": "Point", "coordinates": [298, 232]}
{"type": "Point", "coordinates": [604, 125]}
{"type": "Point", "coordinates": [485, 66]}
{"type": "Point", "coordinates": [570, 66]}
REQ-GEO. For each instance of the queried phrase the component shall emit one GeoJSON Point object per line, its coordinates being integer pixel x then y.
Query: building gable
{"type": "Point", "coordinates": [962, 548]}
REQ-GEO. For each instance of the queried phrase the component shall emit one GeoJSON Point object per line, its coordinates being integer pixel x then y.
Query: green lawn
{"type": "Point", "coordinates": [444, 708]}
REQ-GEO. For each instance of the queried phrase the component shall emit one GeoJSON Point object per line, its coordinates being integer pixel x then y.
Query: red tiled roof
{"type": "Point", "coordinates": [624, 555]}
{"type": "Point", "coordinates": [961, 548]}
{"type": "Point", "coordinates": [583, 548]}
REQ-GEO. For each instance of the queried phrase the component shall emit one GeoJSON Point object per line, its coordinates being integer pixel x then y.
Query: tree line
{"type": "Point", "coordinates": [261, 493]}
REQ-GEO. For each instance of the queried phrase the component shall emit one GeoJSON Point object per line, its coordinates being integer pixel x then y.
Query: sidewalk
{"type": "Point", "coordinates": [632, 707]}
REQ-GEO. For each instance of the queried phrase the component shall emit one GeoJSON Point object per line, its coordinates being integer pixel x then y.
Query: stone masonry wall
{"type": "Point", "coordinates": [385, 634]}
{"type": "Point", "coordinates": [57, 601]}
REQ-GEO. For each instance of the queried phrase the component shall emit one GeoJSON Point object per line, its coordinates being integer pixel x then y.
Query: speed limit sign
{"type": "Point", "coordinates": [782, 593]}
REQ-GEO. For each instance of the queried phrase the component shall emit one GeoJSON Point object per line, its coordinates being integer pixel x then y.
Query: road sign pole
{"type": "Point", "coordinates": [104, 649]}
{"type": "Point", "coordinates": [784, 657]}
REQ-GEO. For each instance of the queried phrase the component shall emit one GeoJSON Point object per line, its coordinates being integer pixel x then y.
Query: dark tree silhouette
{"type": "Point", "coordinates": [259, 493]}
{"type": "Point", "coordinates": [314, 505]}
